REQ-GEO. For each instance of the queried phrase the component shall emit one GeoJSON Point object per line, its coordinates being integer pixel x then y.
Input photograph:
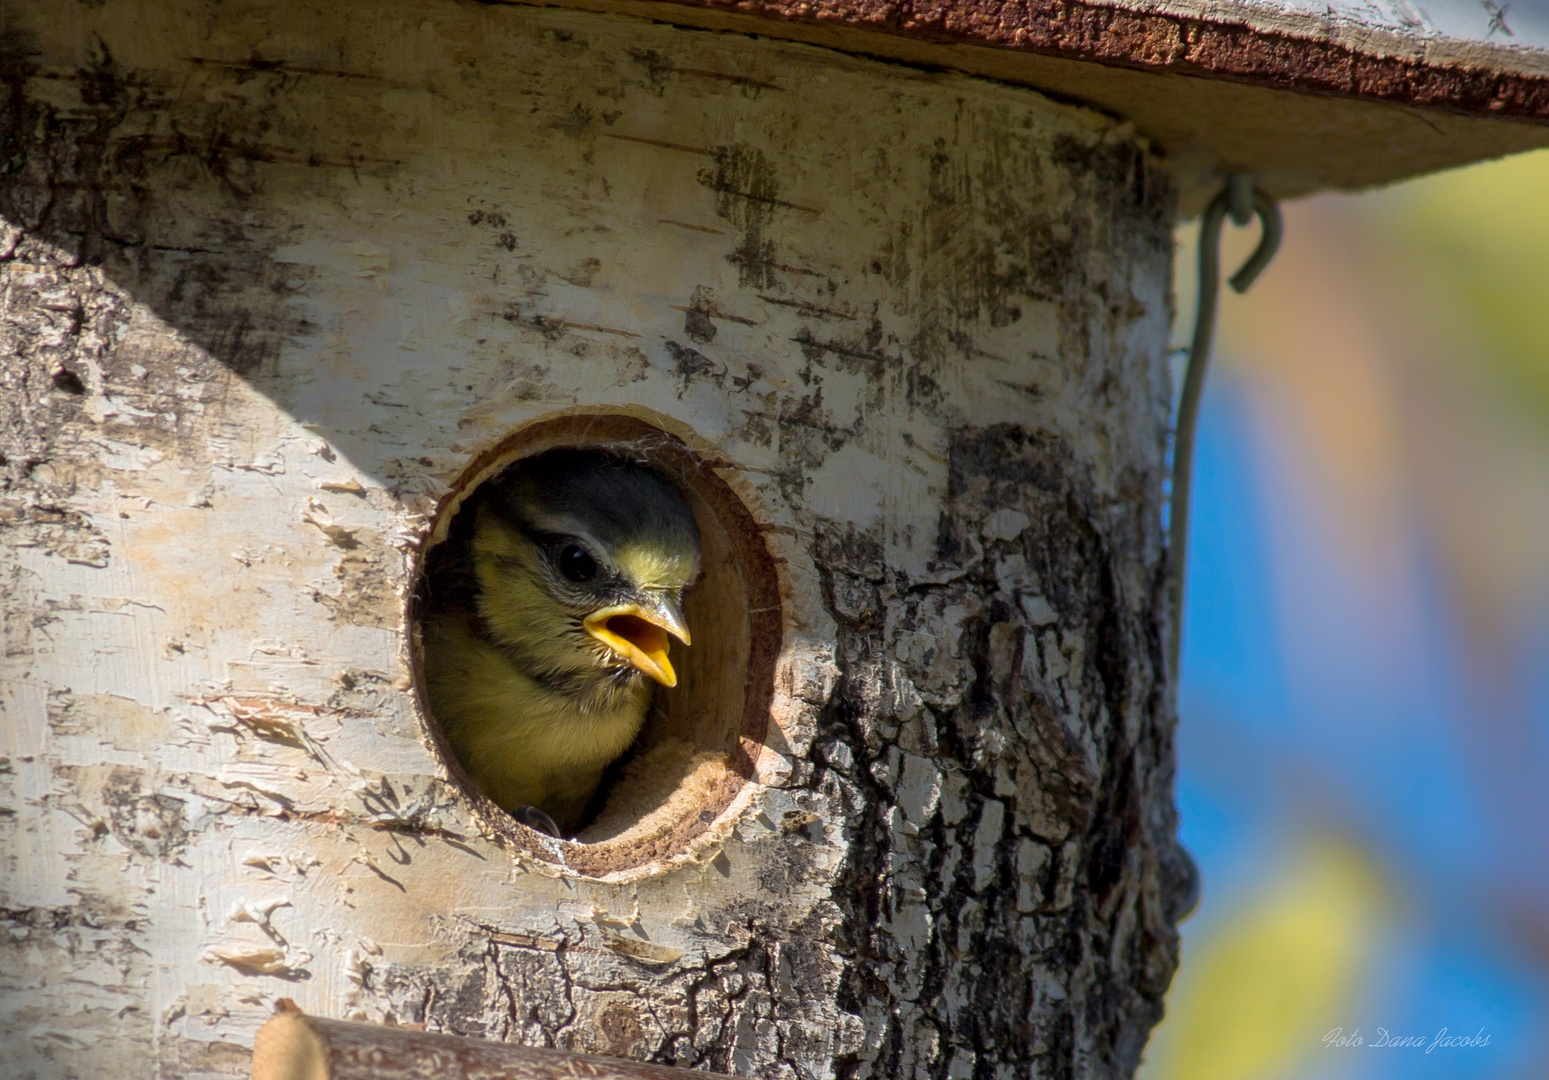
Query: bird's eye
{"type": "Point", "coordinates": [576, 563]}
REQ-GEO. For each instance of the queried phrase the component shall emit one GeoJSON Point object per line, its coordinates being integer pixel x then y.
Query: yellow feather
{"type": "Point", "coordinates": [523, 743]}
{"type": "Point", "coordinates": [545, 683]}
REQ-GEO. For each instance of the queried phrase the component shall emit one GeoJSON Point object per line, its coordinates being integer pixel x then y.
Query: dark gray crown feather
{"type": "Point", "coordinates": [617, 500]}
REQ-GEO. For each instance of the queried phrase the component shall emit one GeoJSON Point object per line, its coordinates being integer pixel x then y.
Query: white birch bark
{"type": "Point", "coordinates": [275, 274]}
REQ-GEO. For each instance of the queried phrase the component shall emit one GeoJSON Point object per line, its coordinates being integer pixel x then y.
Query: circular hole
{"type": "Point", "coordinates": [700, 740]}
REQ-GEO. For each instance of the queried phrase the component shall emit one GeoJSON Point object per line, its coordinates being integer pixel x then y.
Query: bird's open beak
{"type": "Point", "coordinates": [638, 632]}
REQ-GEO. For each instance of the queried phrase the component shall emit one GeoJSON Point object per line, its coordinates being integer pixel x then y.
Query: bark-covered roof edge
{"type": "Point", "coordinates": [1234, 42]}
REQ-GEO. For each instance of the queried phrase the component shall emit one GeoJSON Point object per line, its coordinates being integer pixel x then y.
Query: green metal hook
{"type": "Point", "coordinates": [1235, 199]}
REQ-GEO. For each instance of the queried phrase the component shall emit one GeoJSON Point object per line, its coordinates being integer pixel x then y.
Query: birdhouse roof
{"type": "Point", "coordinates": [1307, 94]}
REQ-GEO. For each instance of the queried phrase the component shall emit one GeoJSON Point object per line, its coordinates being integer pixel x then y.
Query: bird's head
{"type": "Point", "coordinates": [582, 559]}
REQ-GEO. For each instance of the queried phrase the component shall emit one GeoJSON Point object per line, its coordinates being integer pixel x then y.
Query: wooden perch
{"type": "Point", "coordinates": [295, 1046]}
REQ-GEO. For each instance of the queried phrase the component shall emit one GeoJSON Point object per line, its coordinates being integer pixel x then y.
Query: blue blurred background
{"type": "Point", "coordinates": [1364, 736]}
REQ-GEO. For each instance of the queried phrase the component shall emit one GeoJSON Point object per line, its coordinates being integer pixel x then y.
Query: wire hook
{"type": "Point", "coordinates": [1242, 199]}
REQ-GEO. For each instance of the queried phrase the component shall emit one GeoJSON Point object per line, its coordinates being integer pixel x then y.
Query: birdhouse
{"type": "Point", "coordinates": [877, 293]}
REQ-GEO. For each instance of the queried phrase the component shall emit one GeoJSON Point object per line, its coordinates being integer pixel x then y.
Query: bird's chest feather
{"type": "Point", "coordinates": [500, 719]}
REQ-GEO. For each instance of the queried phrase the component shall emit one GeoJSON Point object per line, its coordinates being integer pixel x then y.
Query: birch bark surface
{"type": "Point", "coordinates": [274, 275]}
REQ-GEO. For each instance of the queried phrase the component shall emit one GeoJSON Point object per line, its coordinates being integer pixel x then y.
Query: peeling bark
{"type": "Point", "coordinates": [272, 278]}
{"type": "Point", "coordinates": [293, 1046]}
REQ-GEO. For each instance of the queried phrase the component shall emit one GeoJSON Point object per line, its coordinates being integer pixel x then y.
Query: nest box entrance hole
{"type": "Point", "coordinates": [701, 738]}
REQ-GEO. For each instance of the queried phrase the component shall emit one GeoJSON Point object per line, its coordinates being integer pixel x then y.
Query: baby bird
{"type": "Point", "coordinates": [548, 616]}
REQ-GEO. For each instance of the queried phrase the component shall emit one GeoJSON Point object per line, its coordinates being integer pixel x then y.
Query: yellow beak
{"type": "Point", "coordinates": [638, 632]}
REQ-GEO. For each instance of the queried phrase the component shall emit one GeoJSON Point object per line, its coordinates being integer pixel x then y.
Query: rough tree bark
{"type": "Point", "coordinates": [275, 274]}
